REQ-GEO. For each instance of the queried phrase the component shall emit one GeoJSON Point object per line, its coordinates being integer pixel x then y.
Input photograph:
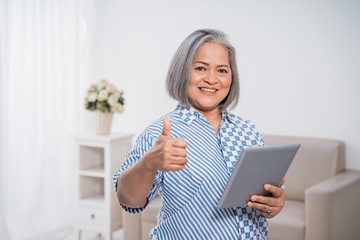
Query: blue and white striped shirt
{"type": "Point", "coordinates": [190, 196]}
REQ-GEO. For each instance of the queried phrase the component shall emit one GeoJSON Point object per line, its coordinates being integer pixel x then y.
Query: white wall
{"type": "Point", "coordinates": [298, 60]}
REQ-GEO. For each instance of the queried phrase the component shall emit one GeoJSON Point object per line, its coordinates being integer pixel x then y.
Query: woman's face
{"type": "Point", "coordinates": [210, 78]}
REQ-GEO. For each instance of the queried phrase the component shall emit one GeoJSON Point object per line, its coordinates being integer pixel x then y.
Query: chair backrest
{"type": "Point", "coordinates": [316, 161]}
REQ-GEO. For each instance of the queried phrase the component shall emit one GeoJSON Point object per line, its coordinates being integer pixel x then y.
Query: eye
{"type": "Point", "coordinates": [222, 71]}
{"type": "Point", "coordinates": [200, 68]}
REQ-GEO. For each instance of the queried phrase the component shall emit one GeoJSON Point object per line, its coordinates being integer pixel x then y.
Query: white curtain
{"type": "Point", "coordinates": [43, 65]}
{"type": "Point", "coordinates": [3, 75]}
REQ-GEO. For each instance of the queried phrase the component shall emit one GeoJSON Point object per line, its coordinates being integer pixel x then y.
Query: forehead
{"type": "Point", "coordinates": [212, 52]}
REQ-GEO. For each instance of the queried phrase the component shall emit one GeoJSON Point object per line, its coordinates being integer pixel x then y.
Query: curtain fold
{"type": "Point", "coordinates": [4, 234]}
{"type": "Point", "coordinates": [45, 65]}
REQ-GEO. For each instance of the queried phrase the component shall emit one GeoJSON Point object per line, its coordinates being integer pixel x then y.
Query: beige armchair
{"type": "Point", "coordinates": [322, 198]}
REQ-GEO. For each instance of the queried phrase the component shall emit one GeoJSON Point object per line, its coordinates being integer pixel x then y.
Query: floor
{"type": "Point", "coordinates": [95, 236]}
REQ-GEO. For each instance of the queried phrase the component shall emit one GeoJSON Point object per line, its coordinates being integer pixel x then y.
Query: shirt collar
{"type": "Point", "coordinates": [189, 114]}
{"type": "Point", "coordinates": [230, 117]}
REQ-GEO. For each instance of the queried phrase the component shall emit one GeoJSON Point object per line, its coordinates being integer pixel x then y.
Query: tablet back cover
{"type": "Point", "coordinates": [256, 166]}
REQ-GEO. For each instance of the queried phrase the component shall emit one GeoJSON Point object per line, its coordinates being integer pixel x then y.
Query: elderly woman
{"type": "Point", "coordinates": [187, 156]}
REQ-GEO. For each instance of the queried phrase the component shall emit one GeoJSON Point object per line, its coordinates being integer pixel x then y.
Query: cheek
{"type": "Point", "coordinates": [191, 89]}
{"type": "Point", "coordinates": [195, 78]}
{"type": "Point", "coordinates": [192, 93]}
{"type": "Point", "coordinates": [227, 82]}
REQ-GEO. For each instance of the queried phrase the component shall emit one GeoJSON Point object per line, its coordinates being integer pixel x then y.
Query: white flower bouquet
{"type": "Point", "coordinates": [104, 97]}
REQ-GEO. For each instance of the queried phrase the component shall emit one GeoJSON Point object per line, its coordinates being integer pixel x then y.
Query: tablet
{"type": "Point", "coordinates": [256, 166]}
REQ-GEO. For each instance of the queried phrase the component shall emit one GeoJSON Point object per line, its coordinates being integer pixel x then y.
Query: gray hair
{"type": "Point", "coordinates": [179, 71]}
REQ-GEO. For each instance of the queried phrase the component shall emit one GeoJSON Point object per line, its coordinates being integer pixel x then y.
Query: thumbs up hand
{"type": "Point", "coordinates": [167, 154]}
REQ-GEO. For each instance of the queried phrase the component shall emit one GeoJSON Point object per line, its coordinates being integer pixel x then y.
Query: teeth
{"type": "Point", "coordinates": [208, 90]}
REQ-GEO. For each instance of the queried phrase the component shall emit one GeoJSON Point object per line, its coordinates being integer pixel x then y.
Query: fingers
{"type": "Point", "coordinates": [259, 206]}
{"type": "Point", "coordinates": [266, 210]}
{"type": "Point", "coordinates": [179, 161]}
{"type": "Point", "coordinates": [269, 206]}
{"type": "Point", "coordinates": [276, 191]}
{"type": "Point", "coordinates": [179, 142]}
{"type": "Point", "coordinates": [174, 167]}
{"type": "Point", "coordinates": [167, 127]}
{"type": "Point", "coordinates": [178, 152]}
{"type": "Point", "coordinates": [174, 164]}
{"type": "Point", "coordinates": [272, 201]}
{"type": "Point", "coordinates": [264, 200]}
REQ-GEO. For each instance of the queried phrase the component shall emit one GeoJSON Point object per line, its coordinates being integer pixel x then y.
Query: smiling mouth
{"type": "Point", "coordinates": [208, 90]}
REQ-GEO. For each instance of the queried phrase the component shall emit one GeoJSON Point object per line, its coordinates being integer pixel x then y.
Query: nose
{"type": "Point", "coordinates": [211, 78]}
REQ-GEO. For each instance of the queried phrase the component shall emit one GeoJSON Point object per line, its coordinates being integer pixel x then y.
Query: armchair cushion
{"type": "Point", "coordinates": [291, 218]}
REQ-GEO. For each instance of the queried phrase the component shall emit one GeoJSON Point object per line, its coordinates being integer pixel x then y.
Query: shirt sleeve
{"type": "Point", "coordinates": [260, 140]}
{"type": "Point", "coordinates": [143, 143]}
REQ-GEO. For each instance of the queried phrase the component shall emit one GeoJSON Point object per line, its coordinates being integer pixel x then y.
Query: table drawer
{"type": "Point", "coordinates": [91, 216]}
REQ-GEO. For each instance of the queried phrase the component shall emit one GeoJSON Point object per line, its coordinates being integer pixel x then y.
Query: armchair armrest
{"type": "Point", "coordinates": [332, 208]}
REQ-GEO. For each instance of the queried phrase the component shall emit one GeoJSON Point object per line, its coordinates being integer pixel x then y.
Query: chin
{"type": "Point", "coordinates": [206, 107]}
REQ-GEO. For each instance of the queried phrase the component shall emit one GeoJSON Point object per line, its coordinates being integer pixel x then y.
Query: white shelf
{"type": "Point", "coordinates": [96, 201]}
{"type": "Point", "coordinates": [93, 172]}
{"type": "Point", "coordinates": [98, 157]}
{"type": "Point", "coordinates": [114, 136]}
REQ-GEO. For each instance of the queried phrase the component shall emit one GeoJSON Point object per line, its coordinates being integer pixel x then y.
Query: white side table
{"type": "Point", "coordinates": [98, 158]}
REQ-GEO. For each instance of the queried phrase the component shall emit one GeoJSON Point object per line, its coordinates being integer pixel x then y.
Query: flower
{"type": "Point", "coordinates": [111, 88]}
{"type": "Point", "coordinates": [103, 83]}
{"type": "Point", "coordinates": [104, 97]}
{"type": "Point", "coordinates": [92, 96]}
{"type": "Point", "coordinates": [113, 99]}
{"type": "Point", "coordinates": [117, 108]}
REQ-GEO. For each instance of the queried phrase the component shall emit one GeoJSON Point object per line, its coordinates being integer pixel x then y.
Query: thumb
{"type": "Point", "coordinates": [283, 181]}
{"type": "Point", "coordinates": [167, 127]}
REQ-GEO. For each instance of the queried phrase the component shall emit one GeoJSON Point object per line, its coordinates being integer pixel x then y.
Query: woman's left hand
{"type": "Point", "coordinates": [269, 206]}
